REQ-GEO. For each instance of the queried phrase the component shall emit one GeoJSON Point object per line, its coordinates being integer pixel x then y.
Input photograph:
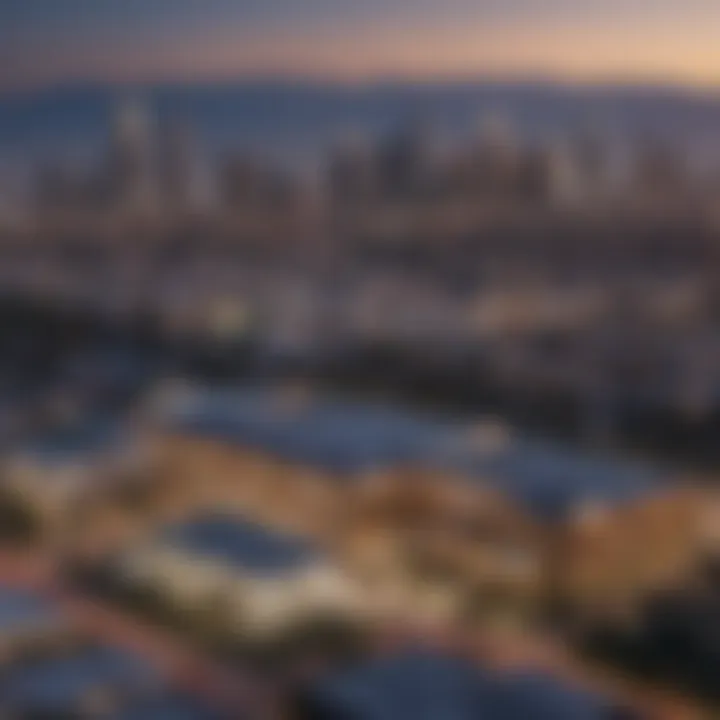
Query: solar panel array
{"type": "Point", "coordinates": [240, 543]}
{"type": "Point", "coordinates": [426, 686]}
{"type": "Point", "coordinates": [350, 437]}
{"type": "Point", "coordinates": [98, 680]}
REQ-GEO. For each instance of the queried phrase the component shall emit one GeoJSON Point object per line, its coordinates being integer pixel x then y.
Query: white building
{"type": "Point", "coordinates": [59, 473]}
{"type": "Point", "coordinates": [264, 582]}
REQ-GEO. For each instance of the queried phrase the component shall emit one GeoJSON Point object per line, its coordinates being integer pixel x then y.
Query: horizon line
{"type": "Point", "coordinates": [640, 83]}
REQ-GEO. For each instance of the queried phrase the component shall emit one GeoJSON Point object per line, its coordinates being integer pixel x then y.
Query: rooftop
{"type": "Point", "coordinates": [166, 707]}
{"type": "Point", "coordinates": [240, 543]}
{"type": "Point", "coordinates": [426, 686]}
{"type": "Point", "coordinates": [20, 611]}
{"type": "Point", "coordinates": [133, 690]}
{"type": "Point", "coordinates": [62, 682]}
{"type": "Point", "coordinates": [350, 437]}
{"type": "Point", "coordinates": [79, 443]}
{"type": "Point", "coordinates": [58, 682]}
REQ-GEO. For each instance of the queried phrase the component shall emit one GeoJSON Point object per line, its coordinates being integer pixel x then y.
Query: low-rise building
{"type": "Point", "coordinates": [27, 622]}
{"type": "Point", "coordinates": [59, 474]}
{"type": "Point", "coordinates": [50, 668]}
{"type": "Point", "coordinates": [424, 685]}
{"type": "Point", "coordinates": [413, 494]}
{"type": "Point", "coordinates": [261, 582]}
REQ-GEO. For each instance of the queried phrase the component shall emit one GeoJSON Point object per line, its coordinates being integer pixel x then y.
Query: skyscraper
{"type": "Point", "coordinates": [133, 171]}
{"type": "Point", "coordinates": [352, 172]}
{"type": "Point", "coordinates": [404, 163]}
{"type": "Point", "coordinates": [496, 157]}
{"type": "Point", "coordinates": [177, 168]}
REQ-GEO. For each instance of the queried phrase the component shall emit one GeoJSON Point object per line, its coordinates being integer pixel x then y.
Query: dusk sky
{"type": "Point", "coordinates": [46, 42]}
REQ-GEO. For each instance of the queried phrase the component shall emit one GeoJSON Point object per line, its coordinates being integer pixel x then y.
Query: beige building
{"type": "Point", "coordinates": [260, 583]}
{"type": "Point", "coordinates": [406, 530]}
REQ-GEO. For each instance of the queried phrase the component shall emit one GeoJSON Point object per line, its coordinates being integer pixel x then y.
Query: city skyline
{"type": "Point", "coordinates": [48, 43]}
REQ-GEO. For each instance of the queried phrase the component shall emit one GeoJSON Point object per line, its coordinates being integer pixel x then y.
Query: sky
{"type": "Point", "coordinates": [50, 42]}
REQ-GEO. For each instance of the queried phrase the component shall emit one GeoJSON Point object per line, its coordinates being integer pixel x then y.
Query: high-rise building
{"type": "Point", "coordinates": [404, 165]}
{"type": "Point", "coordinates": [248, 184]}
{"type": "Point", "coordinates": [352, 174]}
{"type": "Point", "coordinates": [495, 158]}
{"type": "Point", "coordinates": [498, 138]}
{"type": "Point", "coordinates": [660, 172]}
{"type": "Point", "coordinates": [178, 168]}
{"type": "Point", "coordinates": [591, 150]}
{"type": "Point", "coordinates": [133, 171]}
{"type": "Point", "coordinates": [567, 184]}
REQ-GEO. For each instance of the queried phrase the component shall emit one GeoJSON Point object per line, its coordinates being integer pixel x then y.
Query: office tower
{"type": "Point", "coordinates": [591, 149]}
{"type": "Point", "coordinates": [404, 164]}
{"type": "Point", "coordinates": [178, 168]}
{"type": "Point", "coordinates": [352, 174]}
{"type": "Point", "coordinates": [660, 173]}
{"type": "Point", "coordinates": [132, 171]}
{"type": "Point", "coordinates": [498, 139]}
{"type": "Point", "coordinates": [568, 186]}
{"type": "Point", "coordinates": [495, 158]}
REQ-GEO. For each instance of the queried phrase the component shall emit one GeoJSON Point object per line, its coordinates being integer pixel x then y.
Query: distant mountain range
{"type": "Point", "coordinates": [294, 123]}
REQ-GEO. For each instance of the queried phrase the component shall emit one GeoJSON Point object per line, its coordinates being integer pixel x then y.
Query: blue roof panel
{"type": "Point", "coordinates": [61, 682]}
{"type": "Point", "coordinates": [427, 686]}
{"type": "Point", "coordinates": [166, 707]}
{"type": "Point", "coordinates": [352, 437]}
{"type": "Point", "coordinates": [76, 442]}
{"type": "Point", "coordinates": [19, 608]}
{"type": "Point", "coordinates": [241, 543]}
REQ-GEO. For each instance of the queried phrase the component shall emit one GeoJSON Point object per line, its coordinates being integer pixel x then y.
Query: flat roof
{"type": "Point", "coordinates": [422, 685]}
{"type": "Point", "coordinates": [58, 684]}
{"type": "Point", "coordinates": [61, 682]}
{"type": "Point", "coordinates": [240, 543]}
{"type": "Point", "coordinates": [350, 437]}
{"type": "Point", "coordinates": [24, 611]}
{"type": "Point", "coordinates": [166, 707]}
{"type": "Point", "coordinates": [72, 444]}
